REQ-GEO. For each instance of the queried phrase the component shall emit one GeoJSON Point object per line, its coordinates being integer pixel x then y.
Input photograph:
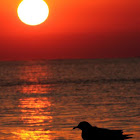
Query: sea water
{"type": "Point", "coordinates": [44, 100]}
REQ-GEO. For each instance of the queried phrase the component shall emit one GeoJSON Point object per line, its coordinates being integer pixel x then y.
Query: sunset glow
{"type": "Point", "coordinates": [69, 29]}
{"type": "Point", "coordinates": [33, 12]}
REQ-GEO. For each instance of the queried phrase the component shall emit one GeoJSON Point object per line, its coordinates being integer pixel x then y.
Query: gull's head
{"type": "Point", "coordinates": [83, 125]}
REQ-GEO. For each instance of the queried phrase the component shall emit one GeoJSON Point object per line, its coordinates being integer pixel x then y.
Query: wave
{"type": "Point", "coordinates": [69, 81]}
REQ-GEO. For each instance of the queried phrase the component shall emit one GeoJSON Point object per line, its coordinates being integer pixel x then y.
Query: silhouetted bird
{"type": "Point", "coordinates": [94, 133]}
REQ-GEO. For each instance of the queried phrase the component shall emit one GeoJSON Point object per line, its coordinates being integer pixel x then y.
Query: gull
{"type": "Point", "coordinates": [90, 132]}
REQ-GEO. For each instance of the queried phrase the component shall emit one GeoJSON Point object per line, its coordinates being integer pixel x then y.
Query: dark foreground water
{"type": "Point", "coordinates": [44, 100]}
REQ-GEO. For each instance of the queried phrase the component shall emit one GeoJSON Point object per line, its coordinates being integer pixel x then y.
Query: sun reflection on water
{"type": "Point", "coordinates": [33, 135]}
{"type": "Point", "coordinates": [35, 114]}
{"type": "Point", "coordinates": [35, 111]}
{"type": "Point", "coordinates": [36, 89]}
{"type": "Point", "coordinates": [35, 107]}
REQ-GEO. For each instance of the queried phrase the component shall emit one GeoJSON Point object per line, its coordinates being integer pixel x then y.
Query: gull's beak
{"type": "Point", "coordinates": [75, 127]}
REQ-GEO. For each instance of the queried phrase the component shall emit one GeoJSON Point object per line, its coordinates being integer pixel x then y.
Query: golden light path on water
{"type": "Point", "coordinates": [34, 116]}
{"type": "Point", "coordinates": [35, 113]}
{"type": "Point", "coordinates": [36, 119]}
{"type": "Point", "coordinates": [35, 109]}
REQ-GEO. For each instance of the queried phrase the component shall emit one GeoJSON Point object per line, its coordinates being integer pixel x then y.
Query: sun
{"type": "Point", "coordinates": [33, 12]}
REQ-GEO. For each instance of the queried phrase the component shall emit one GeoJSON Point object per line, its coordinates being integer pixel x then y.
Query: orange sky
{"type": "Point", "coordinates": [74, 29]}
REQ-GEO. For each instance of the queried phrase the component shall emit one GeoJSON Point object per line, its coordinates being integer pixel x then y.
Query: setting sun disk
{"type": "Point", "coordinates": [33, 12]}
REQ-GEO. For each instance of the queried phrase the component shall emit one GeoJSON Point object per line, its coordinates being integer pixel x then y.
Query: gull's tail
{"type": "Point", "coordinates": [129, 136]}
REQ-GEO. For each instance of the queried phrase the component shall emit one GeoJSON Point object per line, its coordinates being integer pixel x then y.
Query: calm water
{"type": "Point", "coordinates": [44, 100]}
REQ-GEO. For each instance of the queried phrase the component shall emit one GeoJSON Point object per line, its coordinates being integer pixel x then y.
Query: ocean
{"type": "Point", "coordinates": [44, 100]}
